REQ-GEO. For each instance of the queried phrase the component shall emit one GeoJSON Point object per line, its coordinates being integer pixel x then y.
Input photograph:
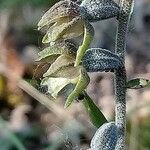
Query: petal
{"type": "Point", "coordinates": [55, 85]}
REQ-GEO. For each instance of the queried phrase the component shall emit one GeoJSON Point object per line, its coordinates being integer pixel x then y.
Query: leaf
{"type": "Point", "coordinates": [65, 28]}
{"type": "Point", "coordinates": [58, 48]}
{"type": "Point", "coordinates": [82, 83]}
{"type": "Point", "coordinates": [105, 137]}
{"type": "Point", "coordinates": [97, 59]}
{"type": "Point", "coordinates": [60, 63]}
{"type": "Point", "coordinates": [60, 10]}
{"type": "Point", "coordinates": [55, 85]}
{"type": "Point", "coordinates": [138, 83]}
{"type": "Point", "coordinates": [96, 116]}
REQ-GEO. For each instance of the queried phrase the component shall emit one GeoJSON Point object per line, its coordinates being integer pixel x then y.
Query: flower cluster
{"type": "Point", "coordinates": [68, 64]}
{"type": "Point", "coordinates": [63, 21]}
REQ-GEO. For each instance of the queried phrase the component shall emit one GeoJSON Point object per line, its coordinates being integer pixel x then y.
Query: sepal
{"type": "Point", "coordinates": [59, 11]}
{"type": "Point", "coordinates": [55, 85]}
{"type": "Point", "coordinates": [60, 67]}
{"type": "Point", "coordinates": [82, 83]}
{"type": "Point", "coordinates": [56, 49]}
{"type": "Point", "coordinates": [65, 28]}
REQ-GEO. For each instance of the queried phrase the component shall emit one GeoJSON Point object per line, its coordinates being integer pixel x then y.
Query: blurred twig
{"type": "Point", "coordinates": [56, 109]}
{"type": "Point", "coordinates": [44, 100]}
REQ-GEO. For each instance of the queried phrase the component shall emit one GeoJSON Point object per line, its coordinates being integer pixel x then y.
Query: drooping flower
{"type": "Point", "coordinates": [62, 21]}
{"type": "Point", "coordinates": [67, 20]}
{"type": "Point", "coordinates": [60, 70]}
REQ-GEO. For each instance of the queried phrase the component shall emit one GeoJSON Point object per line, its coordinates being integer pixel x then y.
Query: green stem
{"type": "Point", "coordinates": [88, 36]}
{"type": "Point", "coordinates": [120, 75]}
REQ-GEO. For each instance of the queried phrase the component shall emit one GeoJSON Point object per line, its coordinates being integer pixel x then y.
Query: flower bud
{"type": "Point", "coordinates": [97, 10]}
{"type": "Point", "coordinates": [105, 137]}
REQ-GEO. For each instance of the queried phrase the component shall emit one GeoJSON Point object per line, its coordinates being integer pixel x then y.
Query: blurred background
{"type": "Point", "coordinates": [26, 124]}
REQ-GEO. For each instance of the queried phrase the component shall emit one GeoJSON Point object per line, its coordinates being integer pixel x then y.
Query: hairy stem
{"type": "Point", "coordinates": [123, 22]}
{"type": "Point", "coordinates": [120, 87]}
{"type": "Point", "coordinates": [120, 75]}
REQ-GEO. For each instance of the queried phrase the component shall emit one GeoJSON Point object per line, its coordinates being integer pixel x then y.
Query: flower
{"type": "Point", "coordinates": [62, 21]}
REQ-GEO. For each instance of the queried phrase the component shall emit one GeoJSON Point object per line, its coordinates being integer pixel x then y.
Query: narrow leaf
{"type": "Point", "coordinates": [105, 137]}
{"type": "Point", "coordinates": [82, 83]}
{"type": "Point", "coordinates": [97, 59]}
{"type": "Point", "coordinates": [96, 116]}
{"type": "Point", "coordinates": [138, 83]}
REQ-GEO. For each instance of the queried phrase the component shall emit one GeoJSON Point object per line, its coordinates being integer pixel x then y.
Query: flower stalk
{"type": "Point", "coordinates": [120, 74]}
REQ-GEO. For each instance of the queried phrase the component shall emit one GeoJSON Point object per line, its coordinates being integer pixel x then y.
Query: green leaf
{"type": "Point", "coordinates": [82, 83]}
{"type": "Point", "coordinates": [61, 62]}
{"type": "Point", "coordinates": [96, 116]}
{"type": "Point", "coordinates": [138, 83]}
